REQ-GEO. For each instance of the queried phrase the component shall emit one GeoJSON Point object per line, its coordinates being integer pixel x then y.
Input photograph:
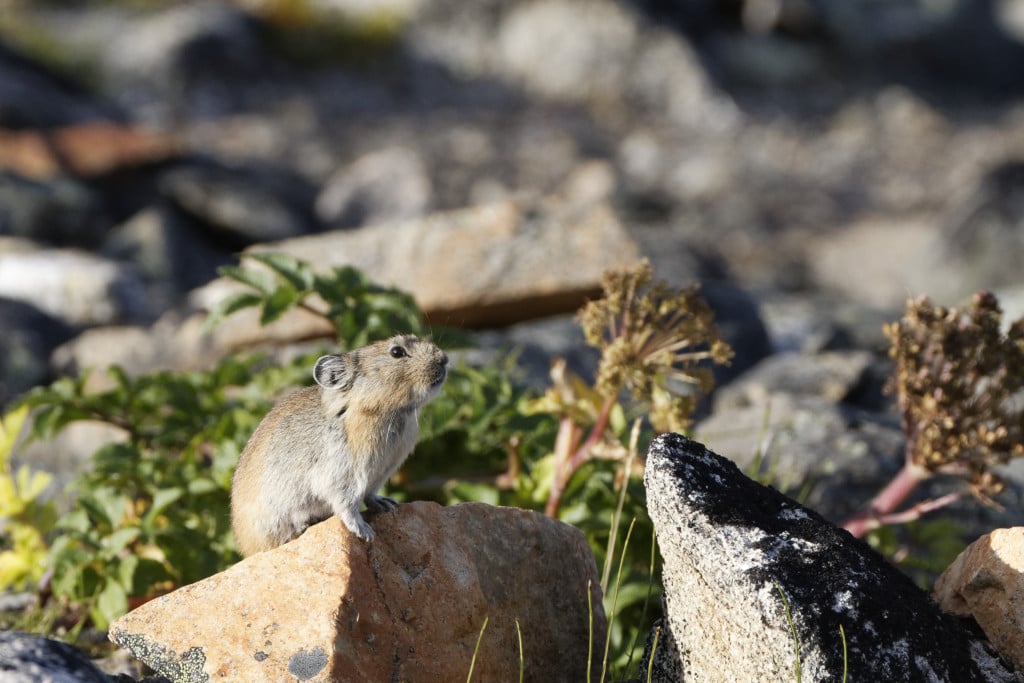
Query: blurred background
{"type": "Point", "coordinates": [822, 159]}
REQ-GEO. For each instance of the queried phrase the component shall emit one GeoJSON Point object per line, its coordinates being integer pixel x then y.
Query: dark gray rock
{"type": "Point", "coordinates": [242, 205]}
{"type": "Point", "coordinates": [167, 248]}
{"type": "Point", "coordinates": [155, 61]}
{"type": "Point", "coordinates": [29, 336]}
{"type": "Point", "coordinates": [59, 211]}
{"type": "Point", "coordinates": [757, 585]}
{"type": "Point", "coordinates": [26, 658]}
{"type": "Point", "coordinates": [33, 96]}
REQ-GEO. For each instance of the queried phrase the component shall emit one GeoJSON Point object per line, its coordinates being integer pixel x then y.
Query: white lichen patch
{"type": "Point", "coordinates": [843, 604]}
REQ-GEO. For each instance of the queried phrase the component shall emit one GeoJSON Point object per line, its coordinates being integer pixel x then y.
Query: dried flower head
{"type": "Point", "coordinates": [652, 340]}
{"type": "Point", "coordinates": [960, 383]}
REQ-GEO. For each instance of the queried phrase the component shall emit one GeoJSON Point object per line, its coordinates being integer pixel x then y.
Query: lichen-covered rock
{"type": "Point", "coordinates": [986, 581]}
{"type": "Point", "coordinates": [409, 606]}
{"type": "Point", "coordinates": [757, 585]}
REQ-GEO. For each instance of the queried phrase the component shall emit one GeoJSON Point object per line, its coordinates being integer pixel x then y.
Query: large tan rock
{"type": "Point", "coordinates": [986, 581]}
{"type": "Point", "coordinates": [407, 607]}
{"type": "Point", "coordinates": [483, 266]}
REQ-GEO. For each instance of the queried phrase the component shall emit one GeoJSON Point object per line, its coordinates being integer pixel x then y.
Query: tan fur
{"type": "Point", "coordinates": [326, 449]}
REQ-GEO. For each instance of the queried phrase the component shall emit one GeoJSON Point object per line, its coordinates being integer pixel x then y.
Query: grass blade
{"type": "Point", "coordinates": [792, 628]}
{"type": "Point", "coordinates": [479, 638]}
{"type": "Point", "coordinates": [615, 600]}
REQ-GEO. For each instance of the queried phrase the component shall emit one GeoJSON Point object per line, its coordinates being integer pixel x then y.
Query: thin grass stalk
{"type": "Point", "coordinates": [613, 533]}
{"type": "Point", "coordinates": [615, 601]}
{"type": "Point", "coordinates": [479, 639]}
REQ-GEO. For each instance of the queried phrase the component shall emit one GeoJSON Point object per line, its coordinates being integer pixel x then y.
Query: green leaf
{"type": "Point", "coordinates": [258, 279]}
{"type": "Point", "coordinates": [275, 305]}
{"type": "Point", "coordinates": [161, 499]}
{"type": "Point", "coordinates": [298, 273]}
{"type": "Point", "coordinates": [232, 303]}
{"type": "Point", "coordinates": [119, 540]}
{"type": "Point", "coordinates": [111, 603]}
{"type": "Point", "coordinates": [202, 486]}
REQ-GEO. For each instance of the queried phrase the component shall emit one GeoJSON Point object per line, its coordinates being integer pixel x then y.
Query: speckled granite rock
{"type": "Point", "coordinates": [749, 574]}
{"type": "Point", "coordinates": [409, 606]}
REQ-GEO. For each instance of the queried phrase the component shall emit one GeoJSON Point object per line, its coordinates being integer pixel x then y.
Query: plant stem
{"type": "Point", "coordinates": [568, 464]}
{"type": "Point", "coordinates": [888, 499]}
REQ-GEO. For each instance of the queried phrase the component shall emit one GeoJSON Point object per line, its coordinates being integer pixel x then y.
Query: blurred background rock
{"type": "Point", "coordinates": [811, 162]}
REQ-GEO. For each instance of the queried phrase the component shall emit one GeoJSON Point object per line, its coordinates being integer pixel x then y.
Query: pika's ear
{"type": "Point", "coordinates": [333, 372]}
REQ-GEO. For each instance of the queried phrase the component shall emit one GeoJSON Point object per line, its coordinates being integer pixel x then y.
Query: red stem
{"type": "Point", "coordinates": [568, 464]}
{"type": "Point", "coordinates": [887, 500]}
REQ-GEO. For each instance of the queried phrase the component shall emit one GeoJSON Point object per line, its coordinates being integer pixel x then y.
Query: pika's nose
{"type": "Point", "coordinates": [443, 360]}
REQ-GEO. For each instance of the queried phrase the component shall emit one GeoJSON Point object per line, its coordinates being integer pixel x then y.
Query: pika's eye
{"type": "Point", "coordinates": [398, 352]}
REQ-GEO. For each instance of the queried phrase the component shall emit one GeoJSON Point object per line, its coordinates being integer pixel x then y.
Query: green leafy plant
{"type": "Point", "coordinates": [958, 382]}
{"type": "Point", "coordinates": [26, 518]}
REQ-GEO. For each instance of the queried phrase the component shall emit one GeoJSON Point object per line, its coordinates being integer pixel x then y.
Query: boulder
{"type": "Point", "coordinates": [757, 588]}
{"type": "Point", "coordinates": [489, 265]}
{"type": "Point", "coordinates": [409, 606]}
{"type": "Point", "coordinates": [70, 284]}
{"type": "Point", "coordinates": [987, 582]}
{"type": "Point", "coordinates": [28, 339]}
{"type": "Point", "coordinates": [26, 658]}
{"type": "Point", "coordinates": [60, 210]}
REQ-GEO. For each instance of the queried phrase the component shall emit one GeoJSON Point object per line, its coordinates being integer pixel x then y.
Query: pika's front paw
{"type": "Point", "coordinates": [358, 526]}
{"type": "Point", "coordinates": [380, 503]}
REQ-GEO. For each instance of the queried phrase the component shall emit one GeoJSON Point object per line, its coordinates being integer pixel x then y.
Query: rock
{"type": "Point", "coordinates": [59, 211]}
{"type": "Point", "coordinates": [166, 248]}
{"type": "Point", "coordinates": [592, 60]}
{"type": "Point", "coordinates": [750, 576]}
{"type": "Point", "coordinates": [832, 375]}
{"type": "Point", "coordinates": [86, 149]}
{"type": "Point", "coordinates": [242, 205]}
{"type": "Point", "coordinates": [836, 456]}
{"type": "Point", "coordinates": [385, 186]}
{"type": "Point", "coordinates": [485, 266]}
{"type": "Point", "coordinates": [409, 606]}
{"type": "Point", "coordinates": [884, 261]}
{"type": "Point", "coordinates": [73, 285]}
{"type": "Point", "coordinates": [982, 233]}
{"type": "Point", "coordinates": [171, 52]}
{"type": "Point", "coordinates": [987, 582]}
{"type": "Point", "coordinates": [33, 96]}
{"type": "Point", "coordinates": [29, 337]}
{"type": "Point", "coordinates": [26, 658]}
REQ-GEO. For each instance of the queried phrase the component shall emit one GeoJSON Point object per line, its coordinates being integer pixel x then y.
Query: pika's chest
{"type": "Point", "coordinates": [384, 436]}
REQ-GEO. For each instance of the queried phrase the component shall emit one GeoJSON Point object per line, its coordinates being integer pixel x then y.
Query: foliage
{"type": "Point", "coordinates": [959, 382]}
{"type": "Point", "coordinates": [152, 512]}
{"type": "Point", "coordinates": [26, 518]}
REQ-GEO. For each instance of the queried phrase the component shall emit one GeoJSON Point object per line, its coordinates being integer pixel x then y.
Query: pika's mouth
{"type": "Point", "coordinates": [442, 375]}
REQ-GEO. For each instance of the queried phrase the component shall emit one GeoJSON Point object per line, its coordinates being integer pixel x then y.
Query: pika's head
{"type": "Point", "coordinates": [403, 372]}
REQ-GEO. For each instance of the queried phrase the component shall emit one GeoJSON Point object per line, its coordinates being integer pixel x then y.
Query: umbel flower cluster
{"type": "Point", "coordinates": [960, 385]}
{"type": "Point", "coordinates": [652, 340]}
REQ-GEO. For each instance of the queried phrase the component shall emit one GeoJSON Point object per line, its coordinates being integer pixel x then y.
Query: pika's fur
{"type": "Point", "coordinates": [326, 449]}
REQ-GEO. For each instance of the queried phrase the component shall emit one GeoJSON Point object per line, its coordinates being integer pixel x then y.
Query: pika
{"type": "Point", "coordinates": [328, 448]}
